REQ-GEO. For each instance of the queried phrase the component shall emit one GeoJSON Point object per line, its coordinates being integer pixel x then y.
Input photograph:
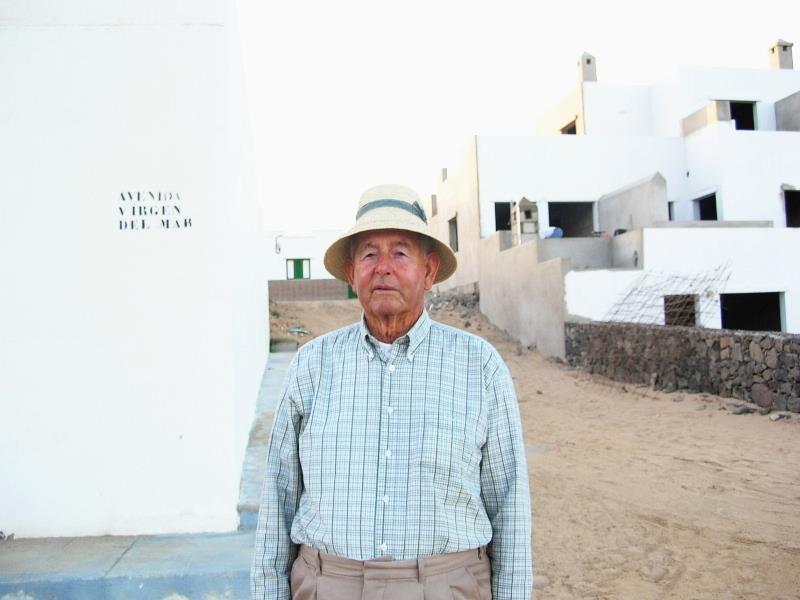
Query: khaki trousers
{"type": "Point", "coordinates": [457, 576]}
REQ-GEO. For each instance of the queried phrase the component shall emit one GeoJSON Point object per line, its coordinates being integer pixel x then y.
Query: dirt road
{"type": "Point", "coordinates": [636, 493]}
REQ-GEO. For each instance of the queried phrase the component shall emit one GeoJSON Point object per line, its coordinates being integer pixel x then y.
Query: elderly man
{"type": "Point", "coordinates": [396, 467]}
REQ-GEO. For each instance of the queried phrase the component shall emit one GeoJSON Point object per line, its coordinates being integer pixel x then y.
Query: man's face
{"type": "Point", "coordinates": [390, 273]}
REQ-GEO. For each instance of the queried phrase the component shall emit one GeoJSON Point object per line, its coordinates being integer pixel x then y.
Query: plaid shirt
{"type": "Point", "coordinates": [412, 455]}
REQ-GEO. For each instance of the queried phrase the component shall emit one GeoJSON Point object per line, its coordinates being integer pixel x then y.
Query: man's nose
{"type": "Point", "coordinates": [384, 264]}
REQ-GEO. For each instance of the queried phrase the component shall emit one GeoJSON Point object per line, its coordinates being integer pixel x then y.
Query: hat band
{"type": "Point", "coordinates": [415, 209]}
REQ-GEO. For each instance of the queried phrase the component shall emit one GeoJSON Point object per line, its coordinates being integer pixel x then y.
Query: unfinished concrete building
{"type": "Point", "coordinates": [679, 178]}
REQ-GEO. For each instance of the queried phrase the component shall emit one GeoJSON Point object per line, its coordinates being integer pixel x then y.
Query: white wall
{"type": "Point", "coordinates": [658, 109]}
{"type": "Point", "coordinates": [571, 168]}
{"type": "Point", "coordinates": [666, 104]}
{"type": "Point", "coordinates": [704, 169]}
{"type": "Point", "coordinates": [561, 114]}
{"type": "Point", "coordinates": [591, 294]}
{"type": "Point", "coordinates": [617, 109]}
{"type": "Point", "coordinates": [457, 197]}
{"type": "Point", "coordinates": [131, 358]}
{"type": "Point", "coordinates": [699, 85]}
{"type": "Point", "coordinates": [310, 245]}
{"type": "Point", "coordinates": [634, 131]}
{"type": "Point", "coordinates": [753, 166]}
{"type": "Point", "coordinates": [758, 259]}
{"type": "Point", "coordinates": [746, 170]}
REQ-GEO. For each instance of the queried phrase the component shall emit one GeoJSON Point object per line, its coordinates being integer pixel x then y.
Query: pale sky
{"type": "Point", "coordinates": [349, 94]}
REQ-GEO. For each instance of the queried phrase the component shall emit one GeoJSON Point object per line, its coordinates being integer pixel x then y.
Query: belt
{"type": "Point", "coordinates": [387, 567]}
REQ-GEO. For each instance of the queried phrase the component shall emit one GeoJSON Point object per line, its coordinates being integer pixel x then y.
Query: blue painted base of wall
{"type": "Point", "coordinates": [231, 586]}
{"type": "Point", "coordinates": [248, 519]}
{"type": "Point", "coordinates": [199, 566]}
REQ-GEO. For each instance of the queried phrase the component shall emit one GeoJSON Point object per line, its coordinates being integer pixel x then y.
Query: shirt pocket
{"type": "Point", "coordinates": [447, 452]}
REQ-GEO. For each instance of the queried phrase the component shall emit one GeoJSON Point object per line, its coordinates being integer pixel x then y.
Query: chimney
{"type": "Point", "coordinates": [444, 174]}
{"type": "Point", "coordinates": [588, 67]}
{"type": "Point", "coordinates": [780, 55]}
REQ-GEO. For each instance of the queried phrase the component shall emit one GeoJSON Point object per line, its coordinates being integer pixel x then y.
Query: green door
{"type": "Point", "coordinates": [298, 268]}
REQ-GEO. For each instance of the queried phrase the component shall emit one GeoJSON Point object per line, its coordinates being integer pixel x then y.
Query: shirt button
{"type": "Point", "coordinates": [384, 547]}
{"type": "Point", "coordinates": [391, 368]}
{"type": "Point", "coordinates": [388, 454]}
{"type": "Point", "coordinates": [390, 409]}
{"type": "Point", "coordinates": [386, 499]}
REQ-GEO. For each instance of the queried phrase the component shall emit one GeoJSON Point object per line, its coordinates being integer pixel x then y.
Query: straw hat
{"type": "Point", "coordinates": [388, 207]}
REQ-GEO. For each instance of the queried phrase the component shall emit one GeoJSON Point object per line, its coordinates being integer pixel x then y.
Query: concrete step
{"type": "Point", "coordinates": [256, 454]}
{"type": "Point", "coordinates": [279, 346]}
{"type": "Point", "coordinates": [196, 566]}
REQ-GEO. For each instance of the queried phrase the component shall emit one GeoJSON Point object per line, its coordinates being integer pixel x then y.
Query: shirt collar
{"type": "Point", "coordinates": [414, 337]}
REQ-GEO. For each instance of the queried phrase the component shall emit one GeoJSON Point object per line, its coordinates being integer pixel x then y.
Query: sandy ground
{"type": "Point", "coordinates": [637, 493]}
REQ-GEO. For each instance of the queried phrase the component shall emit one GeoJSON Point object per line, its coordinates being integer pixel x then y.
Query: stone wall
{"type": "Point", "coordinates": [763, 368]}
{"type": "Point", "coordinates": [465, 296]}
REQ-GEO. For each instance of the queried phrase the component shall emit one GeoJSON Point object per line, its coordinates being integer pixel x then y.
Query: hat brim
{"type": "Point", "coordinates": [389, 218]}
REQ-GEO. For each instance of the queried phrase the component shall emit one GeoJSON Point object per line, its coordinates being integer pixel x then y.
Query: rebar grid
{"type": "Point", "coordinates": [659, 298]}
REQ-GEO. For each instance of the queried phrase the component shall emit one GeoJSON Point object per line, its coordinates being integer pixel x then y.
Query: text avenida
{"type": "Point", "coordinates": [151, 210]}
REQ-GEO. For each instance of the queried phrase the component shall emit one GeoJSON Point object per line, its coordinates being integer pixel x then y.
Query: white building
{"type": "Point", "coordinates": [133, 320]}
{"type": "Point", "coordinates": [295, 263]}
{"type": "Point", "coordinates": [298, 255]}
{"type": "Point", "coordinates": [687, 181]}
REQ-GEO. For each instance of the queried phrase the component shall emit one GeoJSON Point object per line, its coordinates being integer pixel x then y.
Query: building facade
{"type": "Point", "coordinates": [296, 255]}
{"type": "Point", "coordinates": [296, 268]}
{"type": "Point", "coordinates": [632, 200]}
{"type": "Point", "coordinates": [134, 322]}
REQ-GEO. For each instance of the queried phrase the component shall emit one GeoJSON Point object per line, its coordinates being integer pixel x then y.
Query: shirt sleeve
{"type": "Point", "coordinates": [505, 491]}
{"type": "Point", "coordinates": [283, 483]}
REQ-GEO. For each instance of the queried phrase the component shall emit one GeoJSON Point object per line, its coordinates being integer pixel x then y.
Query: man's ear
{"type": "Point", "coordinates": [432, 262]}
{"type": "Point", "coordinates": [349, 270]}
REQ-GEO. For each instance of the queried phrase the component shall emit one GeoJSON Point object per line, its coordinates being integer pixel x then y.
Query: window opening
{"type": "Point", "coordinates": [751, 312]}
{"type": "Point", "coordinates": [298, 268]}
{"type": "Point", "coordinates": [575, 219]}
{"type": "Point", "coordinates": [453, 227]}
{"type": "Point", "coordinates": [744, 114]}
{"type": "Point", "coordinates": [502, 216]}
{"type": "Point", "coordinates": [681, 310]}
{"type": "Point", "coordinates": [792, 200]}
{"type": "Point", "coordinates": [707, 207]}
